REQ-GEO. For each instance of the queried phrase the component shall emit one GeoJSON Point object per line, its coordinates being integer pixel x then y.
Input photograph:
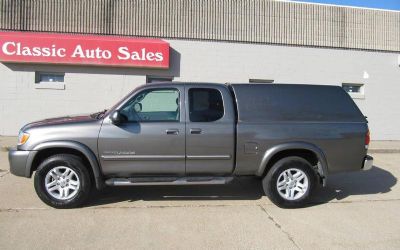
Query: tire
{"type": "Point", "coordinates": [283, 173]}
{"type": "Point", "coordinates": [68, 181]}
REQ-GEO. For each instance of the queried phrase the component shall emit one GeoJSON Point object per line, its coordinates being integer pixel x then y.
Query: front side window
{"type": "Point", "coordinates": [152, 105]}
{"type": "Point", "coordinates": [205, 105]}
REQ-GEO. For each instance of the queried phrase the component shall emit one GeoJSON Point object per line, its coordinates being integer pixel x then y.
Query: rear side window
{"type": "Point", "coordinates": [205, 105]}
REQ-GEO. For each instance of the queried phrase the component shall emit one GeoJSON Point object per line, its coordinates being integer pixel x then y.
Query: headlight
{"type": "Point", "coordinates": [22, 138]}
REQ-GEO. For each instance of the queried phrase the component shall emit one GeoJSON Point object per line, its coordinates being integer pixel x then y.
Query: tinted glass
{"type": "Point", "coordinates": [205, 105]}
{"type": "Point", "coordinates": [51, 78]}
{"type": "Point", "coordinates": [288, 102]}
{"type": "Point", "coordinates": [154, 79]}
{"type": "Point", "coordinates": [48, 77]}
{"type": "Point", "coordinates": [153, 105]}
{"type": "Point", "coordinates": [350, 88]}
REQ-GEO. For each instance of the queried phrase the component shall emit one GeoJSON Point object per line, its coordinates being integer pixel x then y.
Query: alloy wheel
{"type": "Point", "coordinates": [62, 183]}
{"type": "Point", "coordinates": [292, 184]}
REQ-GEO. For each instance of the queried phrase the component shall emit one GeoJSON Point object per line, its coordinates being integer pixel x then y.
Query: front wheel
{"type": "Point", "coordinates": [62, 181]}
{"type": "Point", "coordinates": [290, 182]}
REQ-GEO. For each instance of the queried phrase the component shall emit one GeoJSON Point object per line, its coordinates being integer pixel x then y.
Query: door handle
{"type": "Point", "coordinates": [195, 131]}
{"type": "Point", "coordinates": [172, 131]}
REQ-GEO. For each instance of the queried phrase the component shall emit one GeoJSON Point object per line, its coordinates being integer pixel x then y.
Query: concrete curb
{"type": "Point", "coordinates": [384, 151]}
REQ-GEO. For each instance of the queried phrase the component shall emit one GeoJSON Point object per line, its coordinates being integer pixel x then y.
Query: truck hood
{"type": "Point", "coordinates": [65, 120]}
{"type": "Point", "coordinates": [83, 129]}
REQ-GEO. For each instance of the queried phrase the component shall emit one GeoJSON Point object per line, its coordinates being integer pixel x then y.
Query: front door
{"type": "Point", "coordinates": [151, 140]}
{"type": "Point", "coordinates": [210, 131]}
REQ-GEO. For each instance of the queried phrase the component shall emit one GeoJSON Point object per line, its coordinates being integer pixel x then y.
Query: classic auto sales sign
{"type": "Point", "coordinates": [29, 47]}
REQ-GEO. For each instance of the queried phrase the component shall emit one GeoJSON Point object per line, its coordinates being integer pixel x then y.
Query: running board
{"type": "Point", "coordinates": [152, 181]}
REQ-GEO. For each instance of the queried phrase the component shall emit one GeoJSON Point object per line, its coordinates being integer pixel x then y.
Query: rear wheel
{"type": "Point", "coordinates": [62, 181]}
{"type": "Point", "coordinates": [290, 182]}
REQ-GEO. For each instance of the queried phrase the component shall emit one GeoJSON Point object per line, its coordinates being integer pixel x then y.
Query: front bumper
{"type": "Point", "coordinates": [368, 162]}
{"type": "Point", "coordinates": [20, 162]}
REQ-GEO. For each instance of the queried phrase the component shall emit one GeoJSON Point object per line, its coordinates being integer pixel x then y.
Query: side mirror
{"type": "Point", "coordinates": [137, 107]}
{"type": "Point", "coordinates": [116, 117]}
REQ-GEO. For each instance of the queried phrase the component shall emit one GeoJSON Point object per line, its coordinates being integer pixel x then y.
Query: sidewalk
{"type": "Point", "coordinates": [374, 147]}
{"type": "Point", "coordinates": [384, 147]}
{"type": "Point", "coordinates": [7, 142]}
{"type": "Point", "coordinates": [357, 210]}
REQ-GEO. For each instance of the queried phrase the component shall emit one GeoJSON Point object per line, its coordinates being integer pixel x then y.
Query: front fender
{"type": "Point", "coordinates": [322, 163]}
{"type": "Point", "coordinates": [86, 151]}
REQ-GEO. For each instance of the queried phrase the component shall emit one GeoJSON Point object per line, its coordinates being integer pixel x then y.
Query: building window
{"type": "Point", "coordinates": [154, 79]}
{"type": "Point", "coordinates": [49, 80]}
{"type": "Point", "coordinates": [261, 81]}
{"type": "Point", "coordinates": [355, 90]}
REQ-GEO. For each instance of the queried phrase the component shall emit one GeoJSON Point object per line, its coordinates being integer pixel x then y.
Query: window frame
{"type": "Point", "coordinates": [49, 85]}
{"type": "Point", "coordinates": [261, 81]}
{"type": "Point", "coordinates": [355, 95]}
{"type": "Point", "coordinates": [153, 121]}
{"type": "Point", "coordinates": [205, 87]}
{"type": "Point", "coordinates": [152, 79]}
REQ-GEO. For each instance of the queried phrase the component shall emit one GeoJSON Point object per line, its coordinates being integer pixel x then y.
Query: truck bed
{"type": "Point", "coordinates": [322, 117]}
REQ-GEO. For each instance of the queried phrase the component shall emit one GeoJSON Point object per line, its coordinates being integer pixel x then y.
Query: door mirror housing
{"type": "Point", "coordinates": [116, 117]}
{"type": "Point", "coordinates": [137, 107]}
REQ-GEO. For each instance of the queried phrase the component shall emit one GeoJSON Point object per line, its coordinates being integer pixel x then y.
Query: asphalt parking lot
{"type": "Point", "coordinates": [356, 210]}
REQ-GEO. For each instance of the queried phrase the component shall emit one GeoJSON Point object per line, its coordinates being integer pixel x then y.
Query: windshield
{"type": "Point", "coordinates": [100, 114]}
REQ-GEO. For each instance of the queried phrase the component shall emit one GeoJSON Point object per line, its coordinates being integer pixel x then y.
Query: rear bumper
{"type": "Point", "coordinates": [20, 162]}
{"type": "Point", "coordinates": [368, 162]}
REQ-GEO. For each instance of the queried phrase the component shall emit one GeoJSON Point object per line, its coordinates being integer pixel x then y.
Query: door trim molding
{"type": "Point", "coordinates": [141, 157]}
{"type": "Point", "coordinates": [208, 157]}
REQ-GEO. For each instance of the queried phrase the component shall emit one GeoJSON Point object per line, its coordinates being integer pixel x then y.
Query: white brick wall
{"type": "Point", "coordinates": [89, 89]}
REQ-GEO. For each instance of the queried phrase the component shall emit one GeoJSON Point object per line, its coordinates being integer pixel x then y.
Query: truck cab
{"type": "Point", "coordinates": [173, 129]}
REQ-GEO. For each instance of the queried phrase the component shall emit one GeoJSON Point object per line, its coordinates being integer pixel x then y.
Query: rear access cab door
{"type": "Point", "coordinates": [210, 130]}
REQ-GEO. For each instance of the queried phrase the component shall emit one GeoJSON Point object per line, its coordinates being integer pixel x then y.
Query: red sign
{"type": "Point", "coordinates": [29, 47]}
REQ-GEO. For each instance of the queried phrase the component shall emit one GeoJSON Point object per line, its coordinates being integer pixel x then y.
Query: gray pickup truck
{"type": "Point", "coordinates": [292, 137]}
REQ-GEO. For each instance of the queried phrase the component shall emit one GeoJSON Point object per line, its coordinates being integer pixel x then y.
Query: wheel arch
{"type": "Point", "coordinates": [302, 149]}
{"type": "Point", "coordinates": [47, 149]}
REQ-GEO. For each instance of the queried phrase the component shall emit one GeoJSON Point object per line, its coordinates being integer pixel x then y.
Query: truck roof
{"type": "Point", "coordinates": [280, 102]}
